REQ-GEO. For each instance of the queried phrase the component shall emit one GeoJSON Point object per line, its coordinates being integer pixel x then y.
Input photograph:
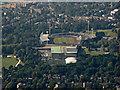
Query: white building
{"type": "Point", "coordinates": [70, 60]}
{"type": "Point", "coordinates": [110, 17]}
{"type": "Point", "coordinates": [44, 37]}
{"type": "Point", "coordinates": [115, 10]}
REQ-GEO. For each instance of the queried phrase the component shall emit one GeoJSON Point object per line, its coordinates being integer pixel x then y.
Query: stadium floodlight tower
{"type": "Point", "coordinates": [49, 28]}
{"type": "Point", "coordinates": [88, 26]}
{"type": "Point", "coordinates": [92, 32]}
{"type": "Point", "coordinates": [49, 19]}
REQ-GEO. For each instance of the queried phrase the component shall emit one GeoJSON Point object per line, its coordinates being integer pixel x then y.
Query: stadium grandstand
{"type": "Point", "coordinates": [61, 45]}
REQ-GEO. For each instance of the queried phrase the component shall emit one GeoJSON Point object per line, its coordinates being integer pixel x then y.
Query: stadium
{"type": "Point", "coordinates": [61, 46]}
{"type": "Point", "coordinates": [65, 39]}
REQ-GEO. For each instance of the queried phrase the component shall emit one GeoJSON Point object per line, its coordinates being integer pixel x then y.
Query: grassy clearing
{"type": "Point", "coordinates": [12, 44]}
{"type": "Point", "coordinates": [7, 62]}
{"type": "Point", "coordinates": [90, 32]}
{"type": "Point", "coordinates": [63, 39]}
{"type": "Point", "coordinates": [95, 53]}
{"type": "Point", "coordinates": [0, 64]}
{"type": "Point", "coordinates": [56, 62]}
{"type": "Point", "coordinates": [108, 32]}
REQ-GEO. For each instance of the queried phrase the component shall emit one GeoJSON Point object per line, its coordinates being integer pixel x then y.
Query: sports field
{"type": "Point", "coordinates": [64, 40]}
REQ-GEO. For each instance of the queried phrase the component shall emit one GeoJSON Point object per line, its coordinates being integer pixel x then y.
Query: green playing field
{"type": "Point", "coordinates": [61, 40]}
{"type": "Point", "coordinates": [7, 62]}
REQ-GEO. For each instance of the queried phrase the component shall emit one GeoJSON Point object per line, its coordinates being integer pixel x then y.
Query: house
{"type": "Point", "coordinates": [108, 37]}
{"type": "Point", "coordinates": [76, 76]}
{"type": "Point", "coordinates": [80, 76]}
{"type": "Point", "coordinates": [98, 49]}
{"type": "Point", "coordinates": [44, 75]}
{"type": "Point", "coordinates": [9, 56]}
{"type": "Point", "coordinates": [89, 85]}
{"type": "Point", "coordinates": [106, 49]}
{"type": "Point", "coordinates": [56, 76]}
{"type": "Point", "coordinates": [91, 78]}
{"type": "Point", "coordinates": [15, 56]}
{"type": "Point", "coordinates": [92, 49]}
{"type": "Point", "coordinates": [83, 47]}
{"type": "Point", "coordinates": [56, 86]}
{"type": "Point", "coordinates": [107, 52]}
{"type": "Point", "coordinates": [30, 78]}
{"type": "Point", "coordinates": [20, 85]}
{"type": "Point", "coordinates": [112, 12]}
{"type": "Point", "coordinates": [110, 18]}
{"type": "Point", "coordinates": [1, 56]}
{"type": "Point", "coordinates": [115, 10]}
{"type": "Point", "coordinates": [61, 15]}
{"type": "Point", "coordinates": [118, 87]}
{"type": "Point", "coordinates": [105, 85]}
{"type": "Point", "coordinates": [63, 76]}
{"type": "Point", "coordinates": [72, 82]}
{"type": "Point", "coordinates": [0, 75]}
{"type": "Point", "coordinates": [5, 13]}
{"type": "Point", "coordinates": [49, 76]}
{"type": "Point", "coordinates": [84, 84]}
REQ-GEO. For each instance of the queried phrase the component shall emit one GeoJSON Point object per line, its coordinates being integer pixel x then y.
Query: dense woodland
{"type": "Point", "coordinates": [19, 37]}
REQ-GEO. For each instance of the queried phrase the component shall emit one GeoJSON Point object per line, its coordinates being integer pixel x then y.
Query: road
{"type": "Point", "coordinates": [0, 81]}
{"type": "Point", "coordinates": [18, 62]}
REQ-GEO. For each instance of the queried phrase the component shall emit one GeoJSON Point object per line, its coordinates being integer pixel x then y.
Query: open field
{"type": "Point", "coordinates": [7, 62]}
{"type": "Point", "coordinates": [94, 52]}
{"type": "Point", "coordinates": [0, 64]}
{"type": "Point", "coordinates": [61, 40]}
{"type": "Point", "coordinates": [12, 44]}
{"type": "Point", "coordinates": [56, 62]}
{"type": "Point", "coordinates": [108, 32]}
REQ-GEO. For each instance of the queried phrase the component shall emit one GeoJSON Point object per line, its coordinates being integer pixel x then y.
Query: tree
{"type": "Point", "coordinates": [80, 51]}
{"type": "Point", "coordinates": [119, 35]}
{"type": "Point", "coordinates": [99, 35]}
{"type": "Point", "coordinates": [10, 85]}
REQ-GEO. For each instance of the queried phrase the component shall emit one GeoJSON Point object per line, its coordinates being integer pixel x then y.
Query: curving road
{"type": "Point", "coordinates": [18, 62]}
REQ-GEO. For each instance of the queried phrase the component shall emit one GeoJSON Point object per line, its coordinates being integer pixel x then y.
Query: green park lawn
{"type": "Point", "coordinates": [12, 44]}
{"type": "Point", "coordinates": [63, 39]}
{"type": "Point", "coordinates": [7, 62]}
{"type": "Point", "coordinates": [95, 53]}
{"type": "Point", "coordinates": [108, 32]}
{"type": "Point", "coordinates": [56, 62]}
{"type": "Point", "coordinates": [0, 64]}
